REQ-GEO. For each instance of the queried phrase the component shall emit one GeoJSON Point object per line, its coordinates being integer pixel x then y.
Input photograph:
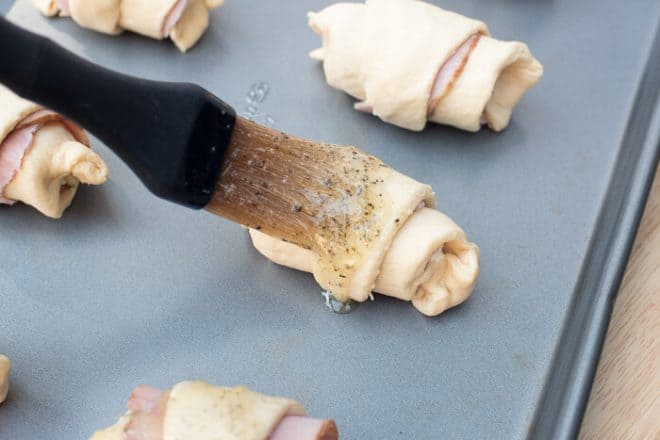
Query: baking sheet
{"type": "Point", "coordinates": [129, 289]}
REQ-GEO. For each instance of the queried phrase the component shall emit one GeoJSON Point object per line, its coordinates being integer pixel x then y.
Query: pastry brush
{"type": "Point", "coordinates": [186, 145]}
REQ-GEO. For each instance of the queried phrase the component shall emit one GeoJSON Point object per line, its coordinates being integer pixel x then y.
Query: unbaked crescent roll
{"type": "Point", "coordinates": [43, 157]}
{"type": "Point", "coordinates": [5, 366]}
{"type": "Point", "coordinates": [409, 62]}
{"type": "Point", "coordinates": [183, 21]}
{"type": "Point", "coordinates": [199, 411]}
{"type": "Point", "coordinates": [430, 262]}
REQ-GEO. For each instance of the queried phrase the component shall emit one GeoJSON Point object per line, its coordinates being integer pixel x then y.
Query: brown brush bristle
{"type": "Point", "coordinates": [319, 196]}
{"type": "Point", "coordinates": [275, 183]}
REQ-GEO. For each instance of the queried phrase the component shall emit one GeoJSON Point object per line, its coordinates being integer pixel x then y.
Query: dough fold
{"type": "Point", "coordinates": [410, 62]}
{"type": "Point", "coordinates": [184, 21]}
{"type": "Point", "coordinates": [5, 366]}
{"type": "Point", "coordinates": [43, 157]}
{"type": "Point", "coordinates": [197, 410]}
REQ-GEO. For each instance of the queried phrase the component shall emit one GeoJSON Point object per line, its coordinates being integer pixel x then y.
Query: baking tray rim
{"type": "Point", "coordinates": [568, 384]}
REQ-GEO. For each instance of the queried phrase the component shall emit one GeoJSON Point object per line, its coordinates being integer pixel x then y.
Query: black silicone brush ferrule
{"type": "Point", "coordinates": [172, 135]}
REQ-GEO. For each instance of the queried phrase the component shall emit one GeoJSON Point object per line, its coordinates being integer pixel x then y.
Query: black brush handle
{"type": "Point", "coordinates": [172, 135]}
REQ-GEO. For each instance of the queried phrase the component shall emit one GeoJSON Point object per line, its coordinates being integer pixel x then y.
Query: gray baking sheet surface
{"type": "Point", "coordinates": [129, 289]}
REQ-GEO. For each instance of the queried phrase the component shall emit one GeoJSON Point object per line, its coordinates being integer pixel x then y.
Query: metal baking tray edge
{"type": "Point", "coordinates": [566, 392]}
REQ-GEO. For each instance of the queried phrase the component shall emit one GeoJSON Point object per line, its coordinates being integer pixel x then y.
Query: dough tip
{"type": "Point", "coordinates": [91, 172]}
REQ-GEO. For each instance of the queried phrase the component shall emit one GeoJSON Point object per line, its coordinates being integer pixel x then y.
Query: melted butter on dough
{"type": "Point", "coordinates": [357, 220]}
{"type": "Point", "coordinates": [429, 262]}
{"type": "Point", "coordinates": [202, 411]}
{"type": "Point", "coordinates": [341, 203]}
{"type": "Point", "coordinates": [52, 170]}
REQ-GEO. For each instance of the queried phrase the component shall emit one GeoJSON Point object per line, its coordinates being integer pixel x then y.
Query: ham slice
{"type": "Point", "coordinates": [12, 151]}
{"type": "Point", "coordinates": [363, 107]}
{"type": "Point", "coordinates": [147, 406]}
{"type": "Point", "coordinates": [451, 70]}
{"type": "Point", "coordinates": [305, 428]}
{"type": "Point", "coordinates": [145, 398]}
{"type": "Point", "coordinates": [65, 10]}
{"type": "Point", "coordinates": [444, 80]}
{"type": "Point", "coordinates": [174, 16]}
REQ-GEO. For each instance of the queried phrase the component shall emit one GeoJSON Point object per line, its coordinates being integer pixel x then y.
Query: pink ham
{"type": "Point", "coordinates": [444, 80]}
{"type": "Point", "coordinates": [305, 428]}
{"type": "Point", "coordinates": [42, 117]}
{"type": "Point", "coordinates": [173, 17]}
{"type": "Point", "coordinates": [148, 405]}
{"type": "Point", "coordinates": [145, 398]}
{"type": "Point", "coordinates": [450, 71]}
{"type": "Point", "coordinates": [12, 151]}
{"type": "Point", "coordinates": [65, 11]}
{"type": "Point", "coordinates": [363, 107]}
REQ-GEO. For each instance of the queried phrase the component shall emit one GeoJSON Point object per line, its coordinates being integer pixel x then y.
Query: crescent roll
{"type": "Point", "coordinates": [43, 157]}
{"type": "Point", "coordinates": [429, 262]}
{"type": "Point", "coordinates": [409, 62]}
{"type": "Point", "coordinates": [199, 411]}
{"type": "Point", "coordinates": [183, 21]}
